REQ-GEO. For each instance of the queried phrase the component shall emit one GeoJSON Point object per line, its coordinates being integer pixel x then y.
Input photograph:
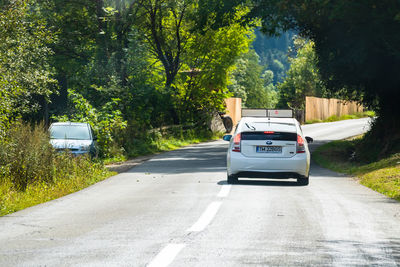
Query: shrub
{"type": "Point", "coordinates": [26, 155]}
{"type": "Point", "coordinates": [106, 122]}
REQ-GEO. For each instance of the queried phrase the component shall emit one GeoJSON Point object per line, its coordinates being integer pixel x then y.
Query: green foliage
{"type": "Point", "coordinates": [249, 83]}
{"type": "Point", "coordinates": [159, 140]}
{"type": "Point", "coordinates": [129, 66]}
{"type": "Point", "coordinates": [388, 136]}
{"type": "Point", "coordinates": [357, 46]}
{"type": "Point", "coordinates": [26, 155]}
{"type": "Point", "coordinates": [302, 78]}
{"type": "Point", "coordinates": [268, 77]}
{"type": "Point", "coordinates": [273, 52]}
{"type": "Point", "coordinates": [145, 53]}
{"type": "Point", "coordinates": [201, 85]}
{"type": "Point", "coordinates": [26, 81]}
{"type": "Point", "coordinates": [166, 27]}
{"type": "Point", "coordinates": [106, 122]}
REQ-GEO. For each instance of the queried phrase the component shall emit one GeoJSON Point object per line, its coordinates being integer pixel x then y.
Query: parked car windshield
{"type": "Point", "coordinates": [75, 132]}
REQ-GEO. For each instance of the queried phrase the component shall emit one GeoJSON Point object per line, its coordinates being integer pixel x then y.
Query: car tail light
{"type": "Point", "coordinates": [269, 132]}
{"type": "Point", "coordinates": [300, 148]}
{"type": "Point", "coordinates": [236, 143]}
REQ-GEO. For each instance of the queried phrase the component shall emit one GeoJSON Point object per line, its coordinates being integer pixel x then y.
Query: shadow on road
{"type": "Point", "coordinates": [208, 157]}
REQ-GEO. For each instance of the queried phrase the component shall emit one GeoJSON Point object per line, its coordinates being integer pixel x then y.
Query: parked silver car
{"type": "Point", "coordinates": [75, 137]}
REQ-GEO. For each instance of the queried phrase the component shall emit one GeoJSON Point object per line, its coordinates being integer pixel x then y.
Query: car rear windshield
{"type": "Point", "coordinates": [261, 126]}
{"type": "Point", "coordinates": [283, 136]}
{"type": "Point", "coordinates": [74, 132]}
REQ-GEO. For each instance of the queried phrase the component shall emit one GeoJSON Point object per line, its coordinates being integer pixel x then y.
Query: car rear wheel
{"type": "Point", "coordinates": [303, 181]}
{"type": "Point", "coordinates": [232, 179]}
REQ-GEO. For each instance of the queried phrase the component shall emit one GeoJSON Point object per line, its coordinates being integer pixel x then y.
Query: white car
{"type": "Point", "coordinates": [268, 147]}
{"type": "Point", "coordinates": [74, 137]}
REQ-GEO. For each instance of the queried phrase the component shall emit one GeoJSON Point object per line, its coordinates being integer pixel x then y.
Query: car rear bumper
{"type": "Point", "coordinates": [294, 167]}
{"type": "Point", "coordinates": [275, 175]}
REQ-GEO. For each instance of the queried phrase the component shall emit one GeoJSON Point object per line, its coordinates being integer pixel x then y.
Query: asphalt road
{"type": "Point", "coordinates": [177, 208]}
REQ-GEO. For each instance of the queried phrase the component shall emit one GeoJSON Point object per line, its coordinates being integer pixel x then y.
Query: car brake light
{"type": "Point", "coordinates": [300, 145]}
{"type": "Point", "coordinates": [236, 143]}
{"type": "Point", "coordinates": [269, 132]}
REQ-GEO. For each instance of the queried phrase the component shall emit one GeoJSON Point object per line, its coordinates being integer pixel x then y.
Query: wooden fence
{"type": "Point", "coordinates": [323, 108]}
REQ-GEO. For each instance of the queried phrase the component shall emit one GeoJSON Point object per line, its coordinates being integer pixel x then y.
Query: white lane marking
{"type": "Point", "coordinates": [224, 190]}
{"type": "Point", "coordinates": [166, 255]}
{"type": "Point", "coordinates": [206, 217]}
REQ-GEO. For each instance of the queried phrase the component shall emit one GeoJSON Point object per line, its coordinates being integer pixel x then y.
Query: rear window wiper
{"type": "Point", "coordinates": [250, 126]}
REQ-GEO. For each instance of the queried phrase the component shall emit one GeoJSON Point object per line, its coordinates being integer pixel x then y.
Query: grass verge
{"type": "Point", "coordinates": [155, 143]}
{"type": "Point", "coordinates": [357, 115]}
{"type": "Point", "coordinates": [84, 175]}
{"type": "Point", "coordinates": [382, 176]}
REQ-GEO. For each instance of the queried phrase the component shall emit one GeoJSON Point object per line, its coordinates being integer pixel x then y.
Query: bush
{"type": "Point", "coordinates": [26, 155]}
{"type": "Point", "coordinates": [381, 141]}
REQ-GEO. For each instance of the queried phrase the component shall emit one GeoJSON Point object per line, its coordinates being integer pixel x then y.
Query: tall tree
{"type": "Point", "coordinates": [26, 81]}
{"type": "Point", "coordinates": [209, 57]}
{"type": "Point", "coordinates": [358, 47]}
{"type": "Point", "coordinates": [302, 78]}
{"type": "Point", "coordinates": [165, 25]}
{"type": "Point", "coordinates": [250, 83]}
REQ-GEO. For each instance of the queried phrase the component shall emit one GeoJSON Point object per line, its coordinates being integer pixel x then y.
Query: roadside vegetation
{"type": "Point", "coordinates": [357, 115]}
{"type": "Point", "coordinates": [162, 140]}
{"type": "Point", "coordinates": [32, 172]}
{"type": "Point", "coordinates": [379, 174]}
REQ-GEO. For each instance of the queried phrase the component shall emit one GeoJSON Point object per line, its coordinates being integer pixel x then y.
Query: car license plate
{"type": "Point", "coordinates": [269, 149]}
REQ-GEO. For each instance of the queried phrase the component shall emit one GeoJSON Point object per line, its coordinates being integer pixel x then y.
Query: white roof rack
{"type": "Point", "coordinates": [270, 113]}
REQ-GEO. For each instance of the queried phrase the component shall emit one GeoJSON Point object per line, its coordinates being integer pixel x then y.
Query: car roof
{"type": "Point", "coordinates": [70, 123]}
{"type": "Point", "coordinates": [266, 119]}
{"type": "Point", "coordinates": [267, 124]}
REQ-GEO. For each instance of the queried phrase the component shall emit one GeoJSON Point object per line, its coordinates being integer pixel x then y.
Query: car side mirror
{"type": "Point", "coordinates": [227, 137]}
{"type": "Point", "coordinates": [309, 139]}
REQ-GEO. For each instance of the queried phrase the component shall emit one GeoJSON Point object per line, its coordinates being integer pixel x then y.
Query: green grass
{"type": "Point", "coordinates": [161, 143]}
{"type": "Point", "coordinates": [382, 176]}
{"type": "Point", "coordinates": [114, 159]}
{"type": "Point", "coordinates": [12, 200]}
{"type": "Point", "coordinates": [357, 115]}
{"type": "Point", "coordinates": [171, 143]}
